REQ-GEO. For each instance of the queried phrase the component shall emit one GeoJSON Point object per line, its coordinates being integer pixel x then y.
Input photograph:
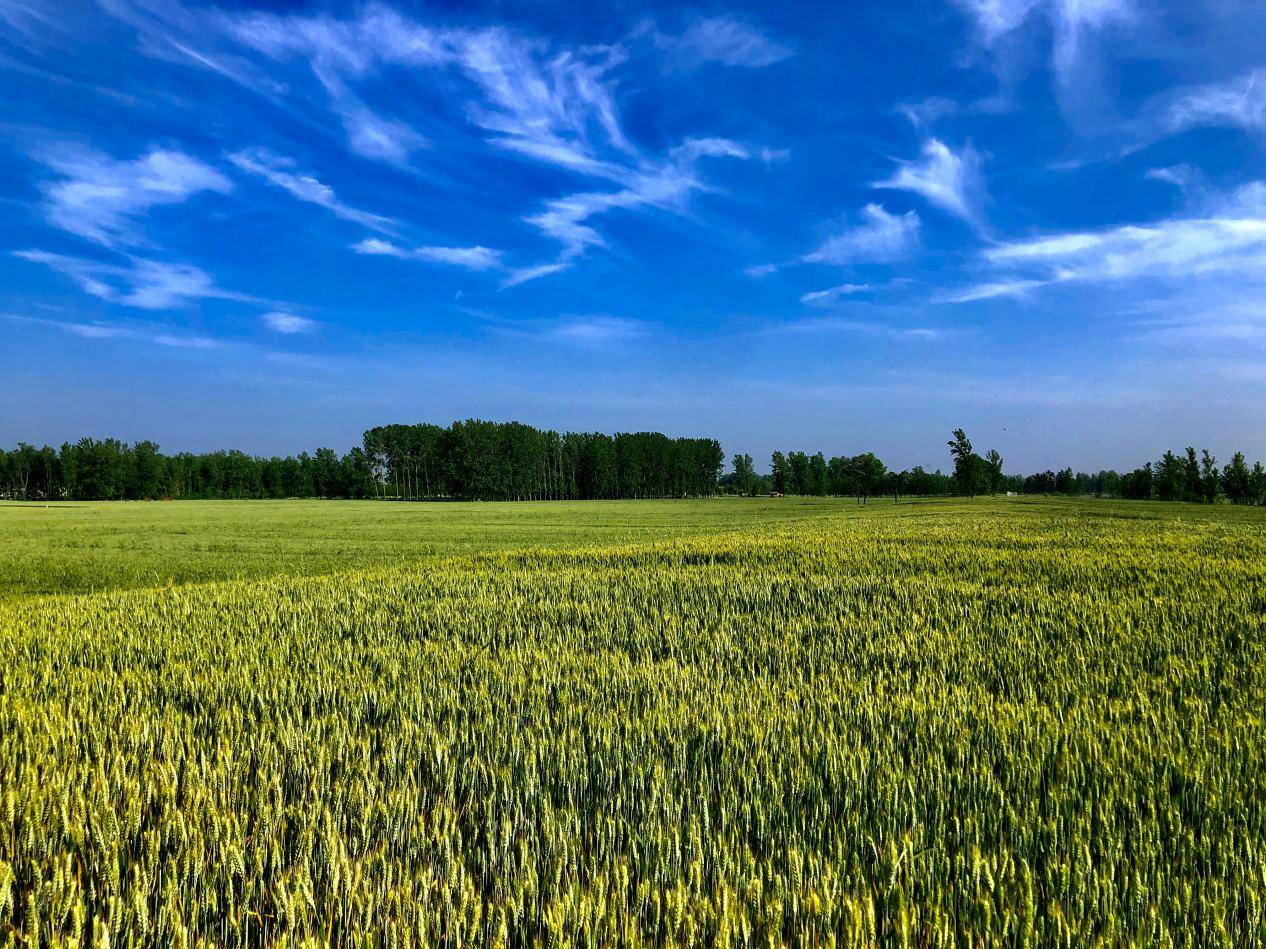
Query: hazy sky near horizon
{"type": "Point", "coordinates": [841, 227]}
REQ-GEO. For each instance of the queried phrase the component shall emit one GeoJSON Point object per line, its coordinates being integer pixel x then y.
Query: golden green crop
{"type": "Point", "coordinates": [1007, 724]}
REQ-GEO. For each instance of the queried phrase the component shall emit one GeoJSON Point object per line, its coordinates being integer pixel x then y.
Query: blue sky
{"type": "Point", "coordinates": [842, 227]}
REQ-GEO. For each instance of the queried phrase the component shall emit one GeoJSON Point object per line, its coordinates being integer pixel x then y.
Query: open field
{"type": "Point", "coordinates": [86, 546]}
{"type": "Point", "coordinates": [1027, 722]}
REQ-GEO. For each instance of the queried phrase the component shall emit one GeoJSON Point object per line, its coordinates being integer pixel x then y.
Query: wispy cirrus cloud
{"type": "Point", "coordinates": [527, 274]}
{"type": "Point", "coordinates": [525, 96]}
{"type": "Point", "coordinates": [760, 270]}
{"type": "Point", "coordinates": [599, 331]}
{"type": "Point", "coordinates": [554, 107]}
{"type": "Point", "coordinates": [1077, 29]}
{"type": "Point", "coordinates": [531, 99]}
{"type": "Point", "coordinates": [927, 111]}
{"type": "Point", "coordinates": [874, 328]}
{"type": "Point", "coordinates": [724, 39]}
{"type": "Point", "coordinates": [339, 52]}
{"type": "Point", "coordinates": [133, 330]}
{"type": "Point", "coordinates": [283, 173]}
{"type": "Point", "coordinates": [1073, 23]}
{"type": "Point", "coordinates": [141, 283]}
{"type": "Point", "coordinates": [1236, 102]}
{"type": "Point", "coordinates": [282, 321]}
{"type": "Point", "coordinates": [996, 18]}
{"type": "Point", "coordinates": [947, 179]}
{"type": "Point", "coordinates": [103, 199]}
{"type": "Point", "coordinates": [834, 294]}
{"type": "Point", "coordinates": [1182, 176]}
{"type": "Point", "coordinates": [1172, 248]}
{"type": "Point", "coordinates": [665, 186]}
{"type": "Point", "coordinates": [1225, 243]}
{"type": "Point", "coordinates": [881, 237]}
{"type": "Point", "coordinates": [471, 258]}
{"type": "Point", "coordinates": [990, 290]}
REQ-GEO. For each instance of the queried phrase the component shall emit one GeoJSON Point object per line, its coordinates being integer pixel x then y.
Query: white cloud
{"type": "Point", "coordinates": [665, 187]}
{"type": "Point", "coordinates": [472, 258]}
{"type": "Point", "coordinates": [1076, 21]}
{"type": "Point", "coordinates": [283, 173]}
{"type": "Point", "coordinates": [1222, 250]}
{"type": "Point", "coordinates": [372, 245]}
{"type": "Point", "coordinates": [101, 199]}
{"type": "Point", "coordinates": [833, 294]}
{"type": "Point", "coordinates": [145, 284]}
{"type": "Point", "coordinates": [927, 111]}
{"type": "Point", "coordinates": [586, 332]}
{"type": "Point", "coordinates": [185, 342]}
{"type": "Point", "coordinates": [372, 136]}
{"type": "Point", "coordinates": [96, 329]}
{"type": "Point", "coordinates": [860, 327]}
{"type": "Point", "coordinates": [598, 331]}
{"type": "Point", "coordinates": [533, 100]}
{"type": "Point", "coordinates": [564, 219]}
{"type": "Point", "coordinates": [539, 103]}
{"type": "Point", "coordinates": [882, 237]}
{"type": "Point", "coordinates": [1182, 176]}
{"type": "Point", "coordinates": [342, 50]}
{"type": "Point", "coordinates": [284, 322]}
{"type": "Point", "coordinates": [692, 149]}
{"type": "Point", "coordinates": [1174, 248]}
{"type": "Point", "coordinates": [996, 18]}
{"type": "Point", "coordinates": [949, 180]}
{"type": "Point", "coordinates": [1238, 102]}
{"type": "Point", "coordinates": [527, 274]}
{"type": "Point", "coordinates": [145, 332]}
{"type": "Point", "coordinates": [723, 39]}
{"type": "Point", "coordinates": [351, 46]}
{"type": "Point", "coordinates": [992, 290]}
{"type": "Point", "coordinates": [1075, 26]}
{"type": "Point", "coordinates": [1072, 21]}
{"type": "Point", "coordinates": [760, 270]}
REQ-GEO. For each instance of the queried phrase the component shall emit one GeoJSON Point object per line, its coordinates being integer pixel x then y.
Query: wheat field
{"type": "Point", "coordinates": [959, 724]}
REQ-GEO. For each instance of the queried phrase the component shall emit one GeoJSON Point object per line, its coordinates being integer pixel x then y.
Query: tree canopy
{"type": "Point", "coordinates": [508, 461]}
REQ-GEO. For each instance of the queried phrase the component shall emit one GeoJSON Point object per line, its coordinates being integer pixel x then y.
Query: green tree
{"type": "Point", "coordinates": [817, 476]}
{"type": "Point", "coordinates": [868, 473]}
{"type": "Point", "coordinates": [1237, 480]}
{"type": "Point", "coordinates": [1066, 482]}
{"type": "Point", "coordinates": [1257, 484]}
{"type": "Point", "coordinates": [1209, 481]}
{"type": "Point", "coordinates": [145, 471]}
{"type": "Point", "coordinates": [779, 472]}
{"type": "Point", "coordinates": [1193, 479]}
{"type": "Point", "coordinates": [993, 470]}
{"type": "Point", "coordinates": [968, 465]}
{"type": "Point", "coordinates": [744, 475]}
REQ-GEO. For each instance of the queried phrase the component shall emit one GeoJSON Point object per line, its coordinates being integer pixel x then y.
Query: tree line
{"type": "Point", "coordinates": [862, 476]}
{"type": "Point", "coordinates": [1189, 476]}
{"type": "Point", "coordinates": [865, 476]}
{"type": "Point", "coordinates": [469, 460]}
{"type": "Point", "coordinates": [508, 461]}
